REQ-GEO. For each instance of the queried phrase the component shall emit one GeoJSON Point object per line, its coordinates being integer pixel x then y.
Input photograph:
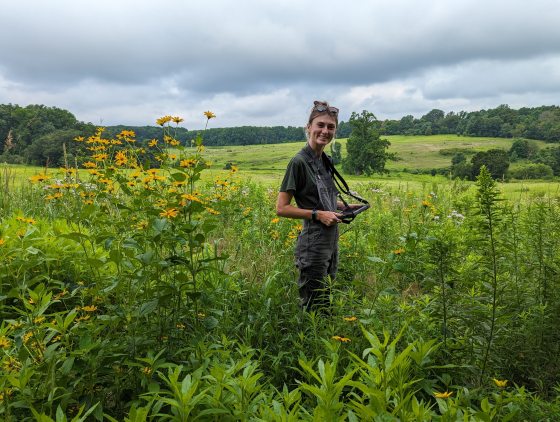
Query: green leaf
{"type": "Point", "coordinates": [180, 177]}
{"type": "Point", "coordinates": [33, 251]}
{"type": "Point", "coordinates": [148, 308]}
{"type": "Point", "coordinates": [67, 365]}
{"type": "Point", "coordinates": [75, 236]}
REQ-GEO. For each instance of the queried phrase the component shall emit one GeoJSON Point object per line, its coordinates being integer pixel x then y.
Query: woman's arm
{"type": "Point", "coordinates": [284, 208]}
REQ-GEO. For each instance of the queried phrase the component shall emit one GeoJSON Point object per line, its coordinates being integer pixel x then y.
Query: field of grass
{"type": "Point", "coordinates": [266, 163]}
{"type": "Point", "coordinates": [413, 152]}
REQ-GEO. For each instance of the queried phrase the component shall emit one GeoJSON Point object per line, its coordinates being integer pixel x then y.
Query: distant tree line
{"type": "Point", "coordinates": [241, 135]}
{"type": "Point", "coordinates": [542, 123]}
{"type": "Point", "coordinates": [41, 135]}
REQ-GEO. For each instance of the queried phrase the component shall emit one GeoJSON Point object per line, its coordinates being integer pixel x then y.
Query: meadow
{"type": "Point", "coordinates": [133, 294]}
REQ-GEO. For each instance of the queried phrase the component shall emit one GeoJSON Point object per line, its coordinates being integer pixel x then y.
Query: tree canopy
{"type": "Point", "coordinates": [367, 153]}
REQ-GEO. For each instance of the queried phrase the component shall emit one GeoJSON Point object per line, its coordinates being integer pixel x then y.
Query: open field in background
{"type": "Point", "coordinates": [414, 152]}
{"type": "Point", "coordinates": [266, 163]}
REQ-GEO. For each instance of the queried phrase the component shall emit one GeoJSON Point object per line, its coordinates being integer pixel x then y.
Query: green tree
{"type": "Point", "coordinates": [523, 149]}
{"type": "Point", "coordinates": [495, 160]}
{"type": "Point", "coordinates": [49, 149]}
{"type": "Point", "coordinates": [367, 153]}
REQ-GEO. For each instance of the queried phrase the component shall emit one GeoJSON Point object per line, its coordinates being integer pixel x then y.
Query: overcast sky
{"type": "Point", "coordinates": [260, 62]}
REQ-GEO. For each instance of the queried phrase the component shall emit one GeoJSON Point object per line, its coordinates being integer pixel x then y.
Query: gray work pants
{"type": "Point", "coordinates": [316, 258]}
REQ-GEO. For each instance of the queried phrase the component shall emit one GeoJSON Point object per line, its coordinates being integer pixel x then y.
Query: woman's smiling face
{"type": "Point", "coordinates": [321, 131]}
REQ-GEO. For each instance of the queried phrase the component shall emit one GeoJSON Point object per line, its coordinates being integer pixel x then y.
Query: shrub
{"type": "Point", "coordinates": [532, 171]}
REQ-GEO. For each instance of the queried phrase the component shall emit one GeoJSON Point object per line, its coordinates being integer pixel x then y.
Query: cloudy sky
{"type": "Point", "coordinates": [261, 62]}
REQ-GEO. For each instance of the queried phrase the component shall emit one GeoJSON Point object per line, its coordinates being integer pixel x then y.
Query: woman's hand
{"type": "Point", "coordinates": [329, 218]}
{"type": "Point", "coordinates": [353, 207]}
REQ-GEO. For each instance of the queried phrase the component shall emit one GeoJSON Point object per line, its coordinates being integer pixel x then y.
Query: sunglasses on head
{"type": "Point", "coordinates": [323, 107]}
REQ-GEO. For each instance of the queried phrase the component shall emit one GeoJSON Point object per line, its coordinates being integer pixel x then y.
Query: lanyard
{"type": "Point", "coordinates": [349, 215]}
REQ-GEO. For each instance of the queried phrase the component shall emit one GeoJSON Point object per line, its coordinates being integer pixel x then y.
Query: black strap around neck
{"type": "Point", "coordinates": [339, 180]}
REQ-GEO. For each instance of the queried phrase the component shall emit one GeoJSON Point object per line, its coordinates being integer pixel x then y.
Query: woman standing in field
{"type": "Point", "coordinates": [310, 183]}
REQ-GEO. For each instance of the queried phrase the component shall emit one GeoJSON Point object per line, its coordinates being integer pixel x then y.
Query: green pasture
{"type": "Point", "coordinates": [266, 163]}
{"type": "Point", "coordinates": [413, 152]}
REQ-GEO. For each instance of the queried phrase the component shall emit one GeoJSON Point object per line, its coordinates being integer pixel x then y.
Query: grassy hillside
{"type": "Point", "coordinates": [414, 152]}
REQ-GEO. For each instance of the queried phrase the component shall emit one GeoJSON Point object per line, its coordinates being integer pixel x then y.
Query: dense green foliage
{"type": "Point", "coordinates": [36, 134]}
{"type": "Point", "coordinates": [534, 123]}
{"type": "Point", "coordinates": [146, 294]}
{"type": "Point", "coordinates": [366, 151]}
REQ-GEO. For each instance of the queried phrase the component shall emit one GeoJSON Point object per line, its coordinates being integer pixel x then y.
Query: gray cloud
{"type": "Point", "coordinates": [256, 62]}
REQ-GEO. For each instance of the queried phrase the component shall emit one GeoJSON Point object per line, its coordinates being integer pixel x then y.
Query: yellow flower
{"type": "Point", "coordinates": [233, 169]}
{"type": "Point", "coordinates": [30, 221]}
{"type": "Point", "coordinates": [163, 120]}
{"type": "Point", "coordinates": [153, 143]}
{"type": "Point", "coordinates": [79, 139]}
{"type": "Point", "coordinates": [90, 165]}
{"type": "Point", "coordinates": [275, 220]}
{"type": "Point", "coordinates": [426, 204]}
{"type": "Point", "coordinates": [180, 325]}
{"type": "Point", "coordinates": [444, 395]}
{"type": "Point", "coordinates": [100, 157]}
{"type": "Point", "coordinates": [55, 196]}
{"type": "Point", "coordinates": [350, 319]}
{"type": "Point", "coordinates": [147, 371]}
{"type": "Point", "coordinates": [398, 251]}
{"type": "Point", "coordinates": [89, 308]}
{"type": "Point", "coordinates": [38, 178]}
{"type": "Point", "coordinates": [177, 119]}
{"type": "Point", "coordinates": [2, 241]}
{"type": "Point", "coordinates": [61, 294]}
{"type": "Point", "coordinates": [11, 364]}
{"type": "Point", "coordinates": [170, 213]}
{"type": "Point", "coordinates": [187, 163]}
{"type": "Point", "coordinates": [142, 225]}
{"type": "Point", "coordinates": [192, 198]}
{"type": "Point", "coordinates": [127, 134]}
{"type": "Point", "coordinates": [4, 342]}
{"type": "Point", "coordinates": [341, 339]}
{"type": "Point", "coordinates": [120, 158]}
{"type": "Point", "coordinates": [500, 383]}
{"type": "Point", "coordinates": [212, 211]}
{"type": "Point", "coordinates": [209, 115]}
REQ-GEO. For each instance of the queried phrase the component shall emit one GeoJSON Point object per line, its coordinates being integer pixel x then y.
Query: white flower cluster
{"type": "Point", "coordinates": [457, 216]}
